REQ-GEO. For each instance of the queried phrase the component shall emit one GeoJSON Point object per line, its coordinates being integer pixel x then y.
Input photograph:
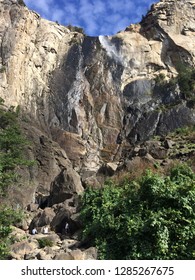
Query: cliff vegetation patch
{"type": "Point", "coordinates": [12, 146]}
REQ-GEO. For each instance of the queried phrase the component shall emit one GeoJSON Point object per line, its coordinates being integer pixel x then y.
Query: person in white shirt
{"type": "Point", "coordinates": [45, 230]}
{"type": "Point", "coordinates": [34, 231]}
{"type": "Point", "coordinates": [66, 228]}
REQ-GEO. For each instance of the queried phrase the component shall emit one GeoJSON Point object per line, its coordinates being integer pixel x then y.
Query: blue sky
{"type": "Point", "coordinates": [97, 17]}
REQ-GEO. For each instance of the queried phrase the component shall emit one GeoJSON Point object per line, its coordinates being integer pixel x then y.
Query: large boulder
{"type": "Point", "coordinates": [43, 218]}
{"type": "Point", "coordinates": [89, 254]}
{"type": "Point", "coordinates": [65, 185]}
{"type": "Point", "coordinates": [22, 248]}
{"type": "Point", "coordinates": [156, 150]}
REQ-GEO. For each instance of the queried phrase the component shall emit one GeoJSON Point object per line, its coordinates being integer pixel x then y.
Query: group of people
{"type": "Point", "coordinates": [46, 229]}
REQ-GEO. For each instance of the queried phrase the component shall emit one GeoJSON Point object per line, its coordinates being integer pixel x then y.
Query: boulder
{"type": "Point", "coordinates": [156, 150]}
{"type": "Point", "coordinates": [43, 256]}
{"type": "Point", "coordinates": [112, 167]}
{"type": "Point", "coordinates": [18, 234]}
{"type": "Point", "coordinates": [108, 169]}
{"type": "Point", "coordinates": [32, 207]}
{"type": "Point", "coordinates": [20, 249]}
{"type": "Point", "coordinates": [89, 254]}
{"type": "Point", "coordinates": [43, 218]}
{"type": "Point", "coordinates": [63, 256]}
{"type": "Point", "coordinates": [68, 243]}
{"type": "Point", "coordinates": [168, 144]}
{"type": "Point", "coordinates": [65, 185]}
{"type": "Point", "coordinates": [91, 181]}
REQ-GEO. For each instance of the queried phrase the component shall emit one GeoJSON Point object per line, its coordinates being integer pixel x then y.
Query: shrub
{"type": "Point", "coordinates": [8, 217]}
{"type": "Point", "coordinates": [186, 81]}
{"type": "Point", "coordinates": [185, 131]}
{"type": "Point", "coordinates": [149, 218]}
{"type": "Point", "coordinates": [43, 242]}
{"type": "Point", "coordinates": [160, 79]}
{"type": "Point", "coordinates": [2, 69]}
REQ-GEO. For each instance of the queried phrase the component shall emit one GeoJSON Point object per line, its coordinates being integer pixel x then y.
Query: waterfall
{"type": "Point", "coordinates": [110, 49]}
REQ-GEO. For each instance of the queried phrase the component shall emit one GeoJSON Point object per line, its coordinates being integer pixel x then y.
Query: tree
{"type": "Point", "coordinates": [12, 145]}
{"type": "Point", "coordinates": [151, 218]}
{"type": "Point", "coordinates": [186, 81]}
{"type": "Point", "coordinates": [8, 217]}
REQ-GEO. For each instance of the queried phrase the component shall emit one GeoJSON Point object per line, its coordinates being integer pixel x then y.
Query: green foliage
{"type": "Point", "coordinates": [152, 218]}
{"type": "Point", "coordinates": [160, 79]}
{"type": "Point", "coordinates": [43, 242]}
{"type": "Point", "coordinates": [184, 131]}
{"type": "Point", "coordinates": [12, 145]}
{"type": "Point", "coordinates": [2, 69]}
{"type": "Point", "coordinates": [8, 217]}
{"type": "Point", "coordinates": [186, 81]}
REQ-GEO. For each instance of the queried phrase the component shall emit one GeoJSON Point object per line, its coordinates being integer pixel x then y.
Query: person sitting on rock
{"type": "Point", "coordinates": [45, 230]}
{"type": "Point", "coordinates": [34, 231]}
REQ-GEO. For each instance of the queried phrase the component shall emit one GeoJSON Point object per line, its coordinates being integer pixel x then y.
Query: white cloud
{"type": "Point", "coordinates": [113, 18]}
{"type": "Point", "coordinates": [43, 6]}
{"type": "Point", "coordinates": [92, 27]}
{"type": "Point", "coordinates": [95, 16]}
{"type": "Point", "coordinates": [58, 15]}
{"type": "Point", "coordinates": [70, 8]}
{"type": "Point", "coordinates": [124, 6]}
{"type": "Point", "coordinates": [99, 7]}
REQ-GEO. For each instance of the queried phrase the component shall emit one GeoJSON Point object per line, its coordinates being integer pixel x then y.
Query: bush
{"type": "Point", "coordinates": [185, 131]}
{"type": "Point", "coordinates": [151, 218]}
{"type": "Point", "coordinates": [8, 217]}
{"type": "Point", "coordinates": [186, 81]}
{"type": "Point", "coordinates": [43, 242]}
{"type": "Point", "coordinates": [160, 79]}
{"type": "Point", "coordinates": [2, 69]}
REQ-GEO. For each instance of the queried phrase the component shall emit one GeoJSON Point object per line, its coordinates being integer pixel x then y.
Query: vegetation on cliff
{"type": "Point", "coordinates": [149, 218]}
{"type": "Point", "coordinates": [8, 217]}
{"type": "Point", "coordinates": [186, 81]}
{"type": "Point", "coordinates": [12, 145]}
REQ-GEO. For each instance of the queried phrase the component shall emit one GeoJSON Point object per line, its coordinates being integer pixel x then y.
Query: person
{"type": "Point", "coordinates": [66, 228]}
{"type": "Point", "coordinates": [45, 230]}
{"type": "Point", "coordinates": [34, 231]}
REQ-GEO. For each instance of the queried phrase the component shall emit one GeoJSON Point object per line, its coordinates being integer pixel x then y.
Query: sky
{"type": "Point", "coordinates": [96, 17]}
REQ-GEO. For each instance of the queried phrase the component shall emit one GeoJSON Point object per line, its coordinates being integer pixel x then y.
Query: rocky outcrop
{"type": "Point", "coordinates": [83, 92]}
{"type": "Point", "coordinates": [89, 107]}
{"type": "Point", "coordinates": [30, 247]}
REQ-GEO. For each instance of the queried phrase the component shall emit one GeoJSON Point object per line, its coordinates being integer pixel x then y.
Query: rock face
{"type": "Point", "coordinates": [85, 92]}
{"type": "Point", "coordinates": [85, 100]}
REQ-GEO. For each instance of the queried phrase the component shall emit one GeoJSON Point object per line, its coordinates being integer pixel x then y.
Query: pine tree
{"type": "Point", "coordinates": [12, 144]}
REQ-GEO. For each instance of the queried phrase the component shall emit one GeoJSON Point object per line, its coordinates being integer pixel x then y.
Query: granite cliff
{"type": "Point", "coordinates": [90, 103]}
